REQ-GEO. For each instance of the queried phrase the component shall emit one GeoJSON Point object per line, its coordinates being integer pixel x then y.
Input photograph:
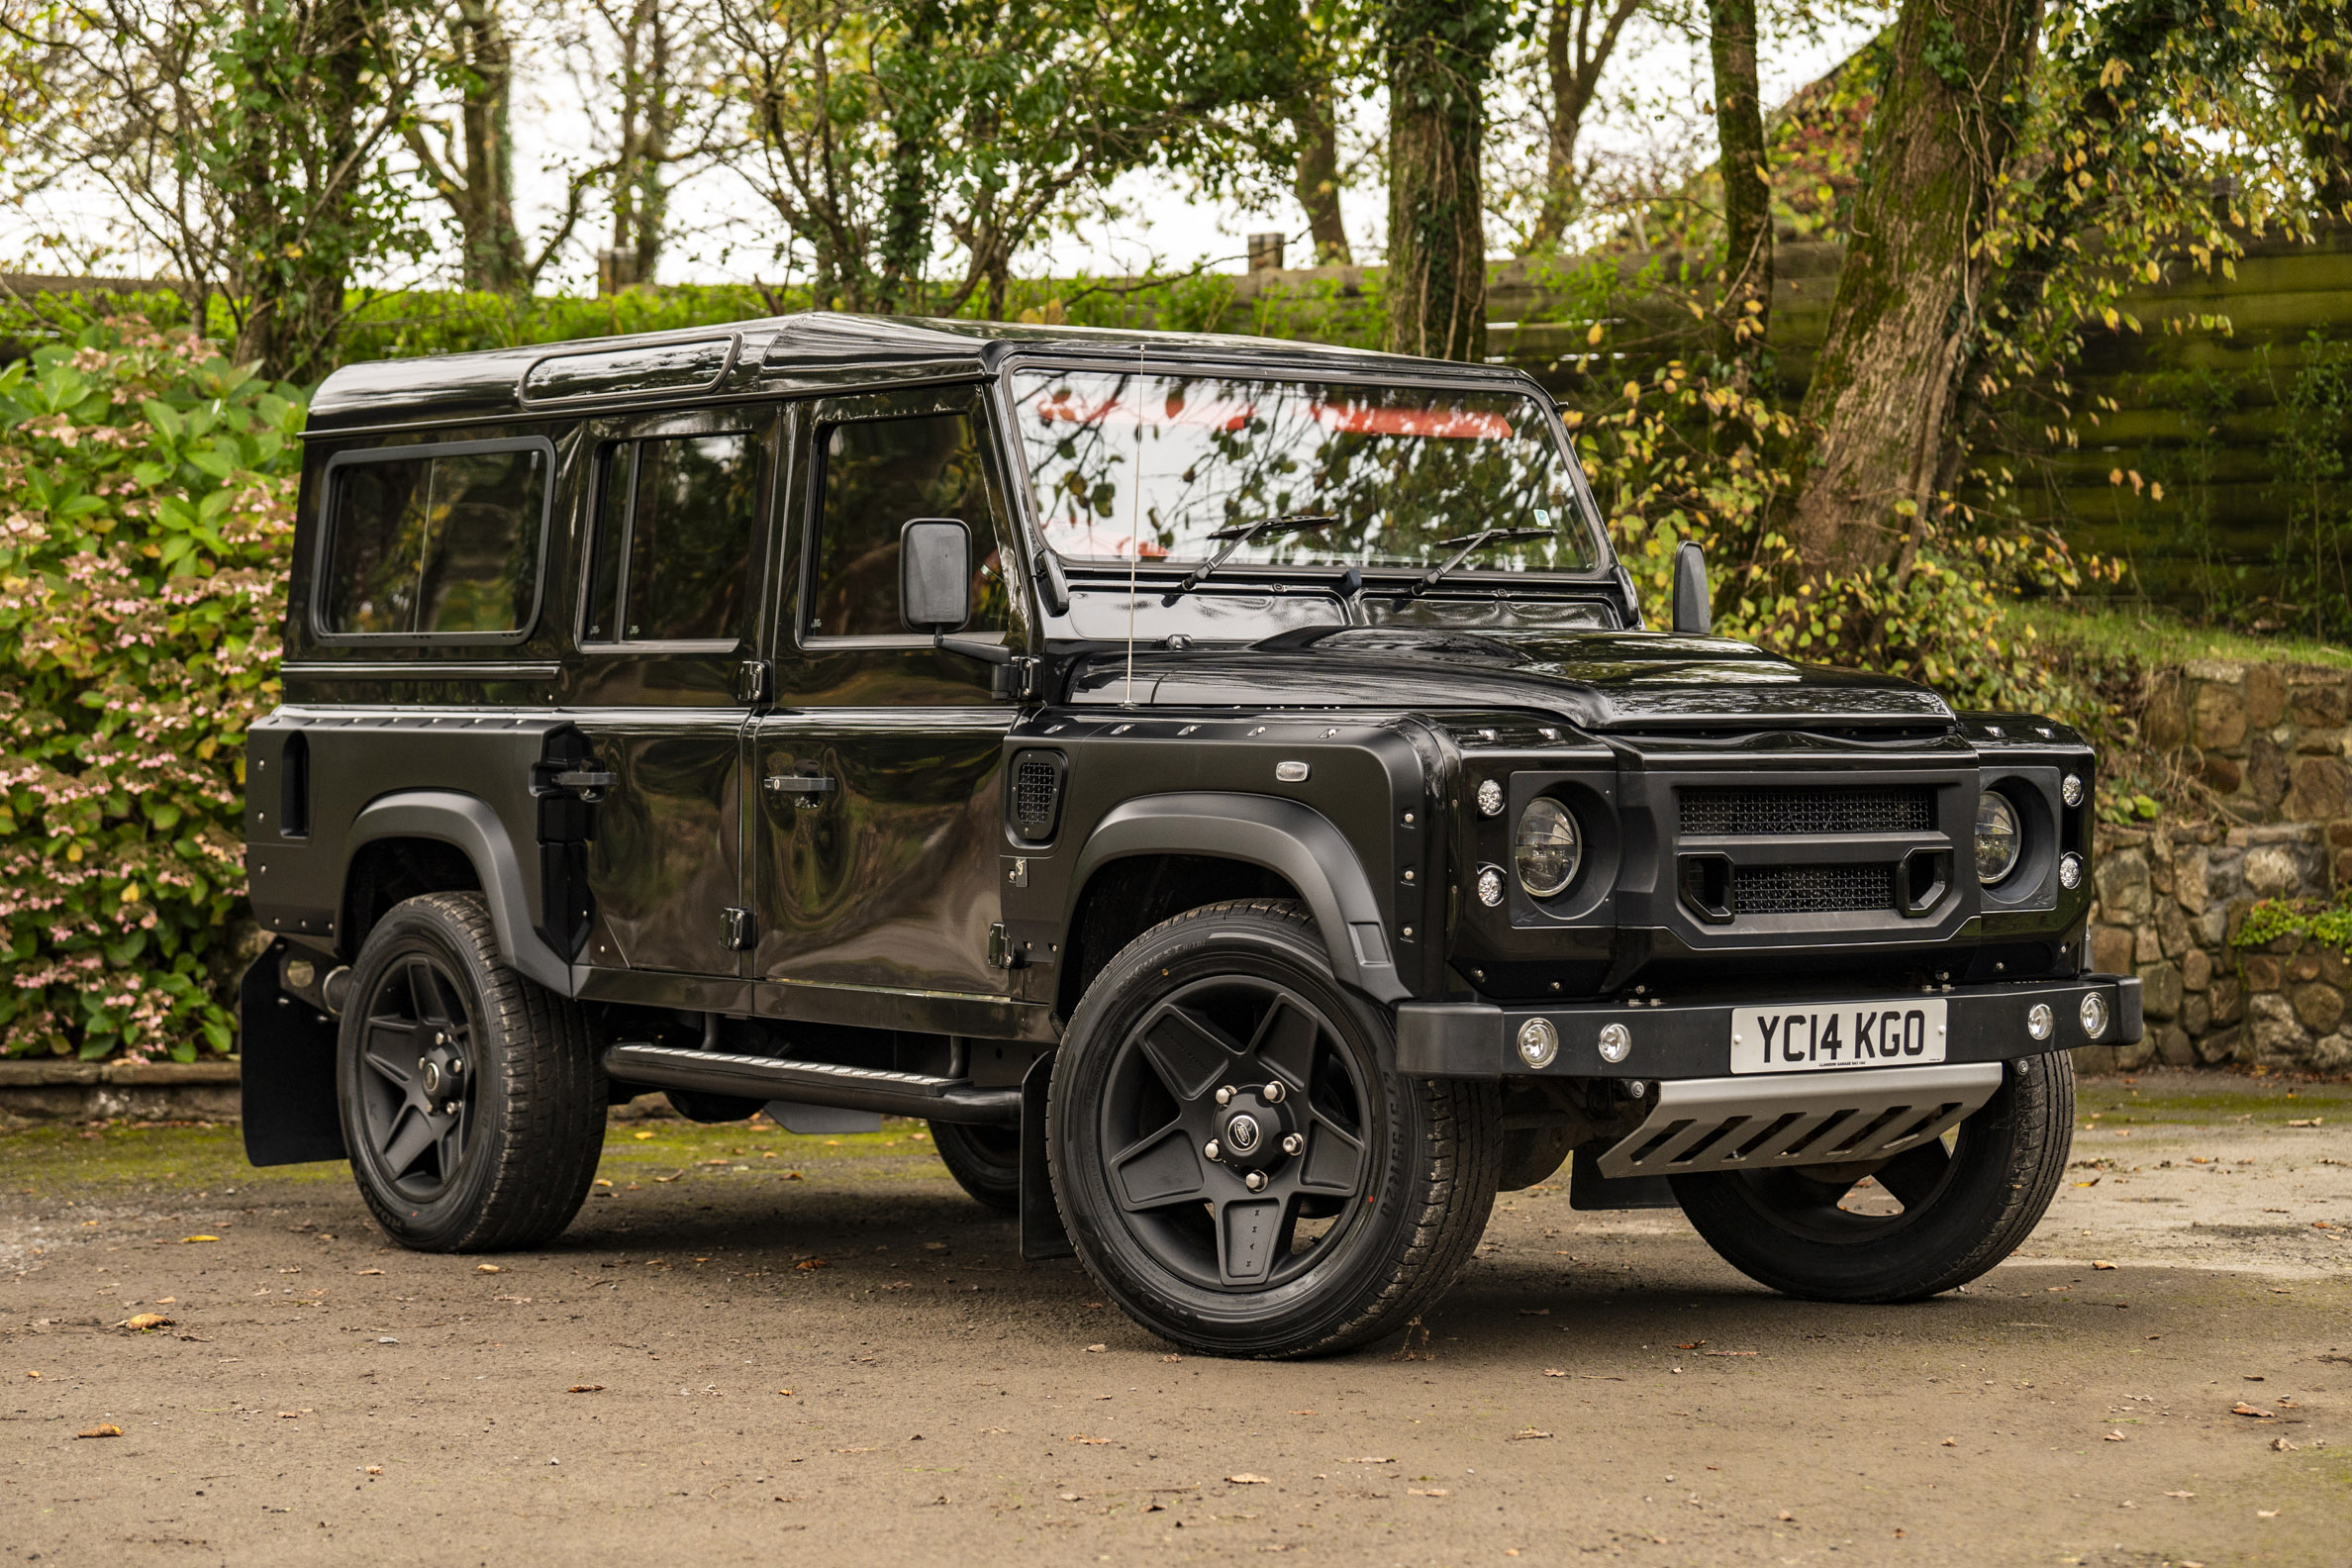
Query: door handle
{"type": "Point", "coordinates": [807, 786]}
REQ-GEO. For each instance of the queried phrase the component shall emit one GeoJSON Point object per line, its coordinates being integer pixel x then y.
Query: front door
{"type": "Point", "coordinates": [878, 769]}
{"type": "Point", "coordinates": [668, 621]}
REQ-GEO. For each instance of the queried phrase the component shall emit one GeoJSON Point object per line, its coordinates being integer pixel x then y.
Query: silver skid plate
{"type": "Point", "coordinates": [1798, 1118]}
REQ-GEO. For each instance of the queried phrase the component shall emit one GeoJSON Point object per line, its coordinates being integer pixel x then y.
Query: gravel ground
{"type": "Point", "coordinates": [753, 1345]}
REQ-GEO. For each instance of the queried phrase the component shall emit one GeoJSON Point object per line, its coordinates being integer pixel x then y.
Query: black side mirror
{"type": "Point", "coordinates": [1692, 612]}
{"type": "Point", "coordinates": [935, 574]}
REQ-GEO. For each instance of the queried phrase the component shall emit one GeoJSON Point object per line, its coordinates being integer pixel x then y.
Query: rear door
{"type": "Point", "coordinates": [670, 616]}
{"type": "Point", "coordinates": [878, 802]}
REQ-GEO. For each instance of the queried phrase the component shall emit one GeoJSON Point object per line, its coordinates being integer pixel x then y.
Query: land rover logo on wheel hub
{"type": "Point", "coordinates": [1242, 1134]}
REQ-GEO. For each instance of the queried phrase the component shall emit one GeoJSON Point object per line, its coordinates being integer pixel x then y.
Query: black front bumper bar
{"type": "Point", "coordinates": [1671, 1040]}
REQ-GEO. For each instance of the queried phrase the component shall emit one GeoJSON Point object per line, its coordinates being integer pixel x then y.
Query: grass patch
{"type": "Point", "coordinates": [2150, 636]}
{"type": "Point", "coordinates": [2272, 1101]}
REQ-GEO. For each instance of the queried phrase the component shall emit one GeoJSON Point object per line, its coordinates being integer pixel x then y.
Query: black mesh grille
{"type": "Point", "coordinates": [1836, 810]}
{"type": "Point", "coordinates": [1036, 793]}
{"type": "Point", "coordinates": [1811, 890]}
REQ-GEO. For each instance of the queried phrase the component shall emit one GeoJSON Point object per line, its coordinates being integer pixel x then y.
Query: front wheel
{"type": "Point", "coordinates": [1932, 1218]}
{"type": "Point", "coordinates": [469, 1096]}
{"type": "Point", "coordinates": [1234, 1164]}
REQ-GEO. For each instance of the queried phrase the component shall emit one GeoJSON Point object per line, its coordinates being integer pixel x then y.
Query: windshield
{"type": "Point", "coordinates": [1147, 464]}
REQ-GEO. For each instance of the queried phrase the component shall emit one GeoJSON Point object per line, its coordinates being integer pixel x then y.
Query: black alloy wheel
{"type": "Point", "coordinates": [1929, 1218]}
{"type": "Point", "coordinates": [1232, 1163]}
{"type": "Point", "coordinates": [472, 1106]}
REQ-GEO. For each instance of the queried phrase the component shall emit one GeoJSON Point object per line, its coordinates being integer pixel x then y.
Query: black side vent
{"type": "Point", "coordinates": [1036, 794]}
{"type": "Point", "coordinates": [294, 787]}
{"type": "Point", "coordinates": [1736, 812]}
{"type": "Point", "coordinates": [1811, 890]}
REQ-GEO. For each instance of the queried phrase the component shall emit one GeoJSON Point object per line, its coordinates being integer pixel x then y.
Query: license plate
{"type": "Point", "coordinates": [1809, 1036]}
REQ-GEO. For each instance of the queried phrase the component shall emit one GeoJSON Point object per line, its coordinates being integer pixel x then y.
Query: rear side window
{"type": "Point", "coordinates": [436, 540]}
{"type": "Point", "coordinates": [674, 540]}
{"type": "Point", "coordinates": [878, 476]}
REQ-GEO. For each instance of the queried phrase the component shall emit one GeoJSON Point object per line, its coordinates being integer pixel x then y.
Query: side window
{"type": "Point", "coordinates": [878, 474]}
{"type": "Point", "coordinates": [435, 541]}
{"type": "Point", "coordinates": [674, 540]}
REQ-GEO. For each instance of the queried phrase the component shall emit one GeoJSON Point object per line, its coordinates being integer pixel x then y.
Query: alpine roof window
{"type": "Point", "coordinates": [674, 540]}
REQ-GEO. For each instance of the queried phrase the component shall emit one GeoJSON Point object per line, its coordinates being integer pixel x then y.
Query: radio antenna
{"type": "Point", "coordinates": [1134, 532]}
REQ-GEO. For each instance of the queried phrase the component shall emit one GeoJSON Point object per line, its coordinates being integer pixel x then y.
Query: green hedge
{"type": "Point", "coordinates": [147, 492]}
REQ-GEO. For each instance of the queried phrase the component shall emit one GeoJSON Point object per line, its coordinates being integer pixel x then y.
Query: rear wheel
{"type": "Point", "coordinates": [1233, 1164]}
{"type": "Point", "coordinates": [469, 1096]}
{"type": "Point", "coordinates": [1932, 1218]}
{"type": "Point", "coordinates": [984, 1161]}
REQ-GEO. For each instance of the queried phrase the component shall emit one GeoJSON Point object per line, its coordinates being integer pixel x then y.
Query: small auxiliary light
{"type": "Point", "coordinates": [2069, 871]}
{"type": "Point", "coordinates": [1616, 1042]}
{"type": "Point", "coordinates": [1538, 1043]}
{"type": "Point", "coordinates": [2038, 1021]}
{"type": "Point", "coordinates": [2094, 1014]}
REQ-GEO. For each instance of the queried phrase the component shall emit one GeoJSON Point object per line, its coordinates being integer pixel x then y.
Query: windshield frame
{"type": "Point", "coordinates": [1383, 578]}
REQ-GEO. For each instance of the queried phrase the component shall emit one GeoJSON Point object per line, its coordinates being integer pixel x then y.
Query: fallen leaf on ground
{"type": "Point", "coordinates": [200, 1239]}
{"type": "Point", "coordinates": [1095, 1349]}
{"type": "Point", "coordinates": [585, 1388]}
{"type": "Point", "coordinates": [794, 1176]}
{"type": "Point", "coordinates": [370, 1271]}
{"type": "Point", "coordinates": [786, 1392]}
{"type": "Point", "coordinates": [812, 1263]}
{"type": "Point", "coordinates": [641, 1136]}
{"type": "Point", "coordinates": [2282, 1445]}
{"type": "Point", "coordinates": [2241, 1408]}
{"type": "Point", "coordinates": [109, 1430]}
{"type": "Point", "coordinates": [1369, 1459]}
{"type": "Point", "coordinates": [1727, 1353]}
{"type": "Point", "coordinates": [680, 1175]}
{"type": "Point", "coordinates": [2116, 1437]}
{"type": "Point", "coordinates": [1693, 1345]}
{"type": "Point", "coordinates": [1091, 1443]}
{"type": "Point", "coordinates": [1527, 1434]}
{"type": "Point", "coordinates": [2180, 1494]}
{"type": "Point", "coordinates": [1785, 1516]}
{"type": "Point", "coordinates": [858, 1451]}
{"type": "Point", "coordinates": [1428, 1492]}
{"type": "Point", "coordinates": [1951, 1442]}
{"type": "Point", "coordinates": [2307, 1122]}
{"type": "Point", "coordinates": [145, 1320]}
{"type": "Point", "coordinates": [2266, 1512]}
{"type": "Point", "coordinates": [488, 1268]}
{"type": "Point", "coordinates": [1247, 1479]}
{"type": "Point", "coordinates": [1553, 1372]}
{"type": "Point", "coordinates": [376, 1469]}
{"type": "Point", "coordinates": [31, 1373]}
{"type": "Point", "coordinates": [2100, 1263]}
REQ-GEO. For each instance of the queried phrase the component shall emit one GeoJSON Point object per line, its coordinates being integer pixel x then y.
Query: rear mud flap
{"type": "Point", "coordinates": [1041, 1233]}
{"type": "Point", "coordinates": [286, 1071]}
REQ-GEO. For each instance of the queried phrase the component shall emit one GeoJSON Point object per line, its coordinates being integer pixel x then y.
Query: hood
{"type": "Point", "coordinates": [1594, 680]}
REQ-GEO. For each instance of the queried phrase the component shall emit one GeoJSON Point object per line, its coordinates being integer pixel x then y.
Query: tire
{"type": "Point", "coordinates": [1353, 1234]}
{"type": "Point", "coordinates": [510, 1166]}
{"type": "Point", "coordinates": [1963, 1210]}
{"type": "Point", "coordinates": [984, 1161]}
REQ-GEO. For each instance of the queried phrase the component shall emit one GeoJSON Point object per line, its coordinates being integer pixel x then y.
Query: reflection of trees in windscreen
{"type": "Point", "coordinates": [1400, 468]}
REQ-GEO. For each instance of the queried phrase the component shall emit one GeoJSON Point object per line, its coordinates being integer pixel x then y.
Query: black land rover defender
{"type": "Point", "coordinates": [1226, 786]}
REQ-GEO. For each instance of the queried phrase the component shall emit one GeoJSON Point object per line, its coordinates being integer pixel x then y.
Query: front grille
{"type": "Point", "coordinates": [1036, 793]}
{"type": "Point", "coordinates": [1811, 890]}
{"type": "Point", "coordinates": [1742, 810]}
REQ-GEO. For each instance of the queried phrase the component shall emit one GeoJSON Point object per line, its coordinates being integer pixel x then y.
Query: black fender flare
{"type": "Point", "coordinates": [468, 824]}
{"type": "Point", "coordinates": [1296, 842]}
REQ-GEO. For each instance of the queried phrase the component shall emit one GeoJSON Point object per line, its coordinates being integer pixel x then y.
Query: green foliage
{"type": "Point", "coordinates": [2327, 923]}
{"type": "Point", "coordinates": [147, 495]}
{"type": "Point", "coordinates": [2309, 457]}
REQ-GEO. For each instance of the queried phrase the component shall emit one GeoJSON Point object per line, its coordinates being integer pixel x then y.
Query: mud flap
{"type": "Point", "coordinates": [1041, 1233]}
{"type": "Point", "coordinates": [286, 1070]}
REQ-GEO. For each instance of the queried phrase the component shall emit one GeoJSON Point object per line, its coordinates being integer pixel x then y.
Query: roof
{"type": "Point", "coordinates": [816, 351]}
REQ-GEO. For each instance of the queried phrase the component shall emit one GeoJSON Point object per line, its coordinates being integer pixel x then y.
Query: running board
{"type": "Point", "coordinates": [1835, 1117]}
{"type": "Point", "coordinates": [814, 1083]}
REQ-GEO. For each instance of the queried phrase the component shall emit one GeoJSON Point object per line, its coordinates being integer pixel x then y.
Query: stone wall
{"type": "Point", "coordinates": [2272, 743]}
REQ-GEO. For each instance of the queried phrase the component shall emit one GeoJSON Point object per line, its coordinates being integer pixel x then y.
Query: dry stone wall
{"type": "Point", "coordinates": [2273, 743]}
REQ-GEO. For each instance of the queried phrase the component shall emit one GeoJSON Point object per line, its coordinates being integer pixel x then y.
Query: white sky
{"type": "Point", "coordinates": [1651, 112]}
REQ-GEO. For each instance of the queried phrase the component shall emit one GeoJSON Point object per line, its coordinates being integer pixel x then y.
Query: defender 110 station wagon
{"type": "Point", "coordinates": [1228, 787]}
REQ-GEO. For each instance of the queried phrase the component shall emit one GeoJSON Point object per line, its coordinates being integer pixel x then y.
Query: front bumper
{"type": "Point", "coordinates": [1474, 1039]}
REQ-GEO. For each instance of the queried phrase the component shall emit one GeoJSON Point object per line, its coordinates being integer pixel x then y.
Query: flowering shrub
{"type": "Point", "coordinates": [147, 491]}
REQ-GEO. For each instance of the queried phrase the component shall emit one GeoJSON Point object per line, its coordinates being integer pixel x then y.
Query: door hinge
{"type": "Point", "coordinates": [1020, 678]}
{"type": "Point", "coordinates": [737, 930]}
{"type": "Point", "coordinates": [751, 681]}
{"type": "Point", "coordinates": [1000, 948]}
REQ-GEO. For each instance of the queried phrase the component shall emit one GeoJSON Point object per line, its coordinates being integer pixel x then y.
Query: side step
{"type": "Point", "coordinates": [1798, 1118]}
{"type": "Point", "coordinates": [814, 1083]}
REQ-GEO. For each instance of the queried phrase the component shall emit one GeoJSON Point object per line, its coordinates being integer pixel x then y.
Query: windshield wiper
{"type": "Point", "coordinates": [1471, 544]}
{"type": "Point", "coordinates": [1236, 534]}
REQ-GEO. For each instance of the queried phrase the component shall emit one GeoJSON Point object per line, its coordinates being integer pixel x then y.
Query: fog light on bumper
{"type": "Point", "coordinates": [2038, 1021]}
{"type": "Point", "coordinates": [1538, 1043]}
{"type": "Point", "coordinates": [2094, 1014]}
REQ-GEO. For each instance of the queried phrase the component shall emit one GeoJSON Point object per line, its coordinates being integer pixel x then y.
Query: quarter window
{"type": "Point", "coordinates": [878, 476]}
{"type": "Point", "coordinates": [673, 542]}
{"type": "Point", "coordinates": [435, 543]}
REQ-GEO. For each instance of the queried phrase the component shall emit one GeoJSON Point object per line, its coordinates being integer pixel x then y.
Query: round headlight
{"type": "Point", "coordinates": [1545, 851]}
{"type": "Point", "coordinates": [1998, 840]}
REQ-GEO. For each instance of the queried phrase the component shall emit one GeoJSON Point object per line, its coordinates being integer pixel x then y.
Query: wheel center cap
{"type": "Point", "coordinates": [1242, 1134]}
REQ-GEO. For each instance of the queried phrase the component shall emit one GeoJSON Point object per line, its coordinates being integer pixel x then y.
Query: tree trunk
{"type": "Point", "coordinates": [646, 114]}
{"type": "Point", "coordinates": [1315, 181]}
{"type": "Point", "coordinates": [1744, 310]}
{"type": "Point", "coordinates": [1573, 60]}
{"type": "Point", "coordinates": [1881, 397]}
{"type": "Point", "coordinates": [1439, 54]}
{"type": "Point", "coordinates": [908, 209]}
{"type": "Point", "coordinates": [2319, 83]}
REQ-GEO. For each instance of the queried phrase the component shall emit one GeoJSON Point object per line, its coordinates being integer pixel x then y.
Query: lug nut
{"type": "Point", "coordinates": [1224, 1095]}
{"type": "Point", "coordinates": [456, 1066]}
{"type": "Point", "coordinates": [1211, 1150]}
{"type": "Point", "coordinates": [1291, 1142]}
{"type": "Point", "coordinates": [449, 1108]}
{"type": "Point", "coordinates": [1273, 1094]}
{"type": "Point", "coordinates": [1256, 1181]}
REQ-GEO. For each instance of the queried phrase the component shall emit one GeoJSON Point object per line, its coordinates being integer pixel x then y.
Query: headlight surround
{"type": "Point", "coordinates": [2000, 838]}
{"type": "Point", "coordinates": [1546, 849]}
